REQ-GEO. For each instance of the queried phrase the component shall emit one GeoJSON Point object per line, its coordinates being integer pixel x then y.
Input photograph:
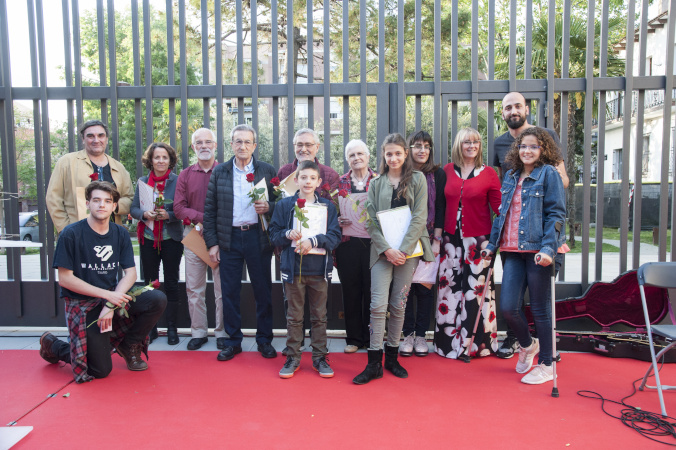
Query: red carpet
{"type": "Point", "coordinates": [190, 400]}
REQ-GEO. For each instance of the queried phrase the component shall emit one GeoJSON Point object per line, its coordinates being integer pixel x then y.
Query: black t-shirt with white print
{"type": "Point", "coordinates": [93, 258]}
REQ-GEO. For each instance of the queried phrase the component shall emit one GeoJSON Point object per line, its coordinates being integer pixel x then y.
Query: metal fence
{"type": "Point", "coordinates": [388, 66]}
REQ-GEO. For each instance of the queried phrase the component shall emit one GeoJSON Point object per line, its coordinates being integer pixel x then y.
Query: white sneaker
{"type": "Point", "coordinates": [420, 347]}
{"type": "Point", "coordinates": [350, 348]}
{"type": "Point", "coordinates": [541, 374]}
{"type": "Point", "coordinates": [406, 347]}
{"type": "Point", "coordinates": [526, 356]}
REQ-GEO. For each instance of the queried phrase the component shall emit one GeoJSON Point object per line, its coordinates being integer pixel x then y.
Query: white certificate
{"type": "Point", "coordinates": [146, 197]}
{"type": "Point", "coordinates": [288, 185]}
{"type": "Point", "coordinates": [394, 224]}
{"type": "Point", "coordinates": [347, 211]}
{"type": "Point", "coordinates": [263, 185]}
{"type": "Point", "coordinates": [317, 215]}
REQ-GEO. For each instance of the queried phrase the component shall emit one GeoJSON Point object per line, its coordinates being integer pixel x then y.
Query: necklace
{"type": "Point", "coordinates": [360, 183]}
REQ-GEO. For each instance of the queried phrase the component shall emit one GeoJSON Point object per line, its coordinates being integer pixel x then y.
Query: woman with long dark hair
{"type": "Point", "coordinates": [397, 186]}
{"type": "Point", "coordinates": [162, 243]}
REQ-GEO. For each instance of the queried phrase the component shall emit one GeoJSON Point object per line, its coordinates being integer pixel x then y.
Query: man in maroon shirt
{"type": "Point", "coordinates": [191, 192]}
{"type": "Point", "coordinates": [305, 145]}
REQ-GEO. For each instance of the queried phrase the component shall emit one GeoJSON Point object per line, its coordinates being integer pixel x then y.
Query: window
{"type": "Point", "coordinates": [617, 164]}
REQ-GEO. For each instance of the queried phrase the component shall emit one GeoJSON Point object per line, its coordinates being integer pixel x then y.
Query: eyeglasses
{"type": "Point", "coordinates": [240, 142]}
{"type": "Point", "coordinates": [422, 147]}
{"type": "Point", "coordinates": [307, 145]}
{"type": "Point", "coordinates": [471, 142]}
{"type": "Point", "coordinates": [532, 148]}
{"type": "Point", "coordinates": [207, 143]}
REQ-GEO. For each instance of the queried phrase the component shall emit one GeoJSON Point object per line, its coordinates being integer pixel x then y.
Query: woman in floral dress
{"type": "Point", "coordinates": [472, 189]}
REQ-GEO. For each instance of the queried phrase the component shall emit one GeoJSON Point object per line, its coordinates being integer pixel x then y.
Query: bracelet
{"type": "Point", "coordinates": [437, 238]}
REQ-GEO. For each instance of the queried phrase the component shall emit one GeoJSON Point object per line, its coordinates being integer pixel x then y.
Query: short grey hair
{"type": "Point", "coordinates": [314, 134]}
{"type": "Point", "coordinates": [356, 143]}
{"type": "Point", "coordinates": [243, 127]}
{"type": "Point", "coordinates": [199, 130]}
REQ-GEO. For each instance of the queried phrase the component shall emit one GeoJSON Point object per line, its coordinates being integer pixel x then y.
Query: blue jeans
{"type": "Point", "coordinates": [245, 247]}
{"type": "Point", "coordinates": [520, 271]}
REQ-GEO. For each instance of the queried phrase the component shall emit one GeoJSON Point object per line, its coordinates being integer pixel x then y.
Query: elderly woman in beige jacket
{"type": "Point", "coordinates": [397, 186]}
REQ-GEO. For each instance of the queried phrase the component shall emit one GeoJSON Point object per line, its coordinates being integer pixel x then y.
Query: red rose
{"type": "Point", "coordinates": [343, 193]}
{"type": "Point", "coordinates": [275, 181]}
{"type": "Point", "coordinates": [94, 177]}
{"type": "Point", "coordinates": [186, 221]}
{"type": "Point", "coordinates": [250, 177]}
{"type": "Point", "coordinates": [160, 187]}
{"type": "Point", "coordinates": [326, 187]}
{"type": "Point", "coordinates": [300, 202]}
{"type": "Point", "coordinates": [155, 284]}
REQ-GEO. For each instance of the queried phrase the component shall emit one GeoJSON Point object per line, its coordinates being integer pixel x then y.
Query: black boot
{"type": "Point", "coordinates": [391, 363]}
{"type": "Point", "coordinates": [171, 313]}
{"type": "Point", "coordinates": [374, 369]}
{"type": "Point", "coordinates": [152, 335]}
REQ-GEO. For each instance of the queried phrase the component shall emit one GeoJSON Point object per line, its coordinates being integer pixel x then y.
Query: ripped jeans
{"type": "Point", "coordinates": [382, 274]}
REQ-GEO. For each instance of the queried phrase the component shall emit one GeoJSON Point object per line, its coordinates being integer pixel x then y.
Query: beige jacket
{"type": "Point", "coordinates": [380, 199]}
{"type": "Point", "coordinates": [72, 171]}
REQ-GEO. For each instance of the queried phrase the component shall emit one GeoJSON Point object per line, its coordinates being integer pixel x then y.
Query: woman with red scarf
{"type": "Point", "coordinates": [159, 231]}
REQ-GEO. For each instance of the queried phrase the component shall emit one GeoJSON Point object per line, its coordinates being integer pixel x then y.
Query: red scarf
{"type": "Point", "coordinates": [161, 182]}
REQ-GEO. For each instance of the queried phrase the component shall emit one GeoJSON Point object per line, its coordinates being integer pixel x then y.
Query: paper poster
{"type": "Point", "coordinates": [347, 211]}
{"type": "Point", "coordinates": [194, 242]}
{"type": "Point", "coordinates": [317, 215]}
{"type": "Point", "coordinates": [394, 225]}
{"type": "Point", "coordinates": [288, 185]}
{"type": "Point", "coordinates": [146, 196]}
{"type": "Point", "coordinates": [262, 184]}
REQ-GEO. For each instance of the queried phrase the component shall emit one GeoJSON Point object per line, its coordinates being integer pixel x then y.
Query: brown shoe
{"type": "Point", "coordinates": [46, 341]}
{"type": "Point", "coordinates": [132, 356]}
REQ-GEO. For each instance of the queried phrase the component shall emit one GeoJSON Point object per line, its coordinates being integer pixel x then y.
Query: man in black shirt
{"type": "Point", "coordinates": [88, 256]}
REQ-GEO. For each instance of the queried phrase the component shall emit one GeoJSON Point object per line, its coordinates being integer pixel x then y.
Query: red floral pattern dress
{"type": "Point", "coordinates": [462, 280]}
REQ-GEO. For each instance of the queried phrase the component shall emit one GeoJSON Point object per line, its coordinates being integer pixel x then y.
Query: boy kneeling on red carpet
{"type": "Point", "coordinates": [304, 269]}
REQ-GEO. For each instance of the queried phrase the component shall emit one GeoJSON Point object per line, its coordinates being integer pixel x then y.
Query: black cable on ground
{"type": "Point", "coordinates": [645, 423]}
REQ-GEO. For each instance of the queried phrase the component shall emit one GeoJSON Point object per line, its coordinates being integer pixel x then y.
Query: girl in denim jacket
{"type": "Point", "coordinates": [528, 233]}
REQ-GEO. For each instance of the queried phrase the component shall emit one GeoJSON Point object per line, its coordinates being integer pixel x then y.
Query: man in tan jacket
{"type": "Point", "coordinates": [78, 169]}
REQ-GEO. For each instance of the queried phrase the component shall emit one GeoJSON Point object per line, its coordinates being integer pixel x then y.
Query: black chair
{"type": "Point", "coordinates": [661, 275]}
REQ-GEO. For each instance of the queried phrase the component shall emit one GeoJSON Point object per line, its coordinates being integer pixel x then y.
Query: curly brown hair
{"type": "Point", "coordinates": [147, 158]}
{"type": "Point", "coordinates": [549, 153]}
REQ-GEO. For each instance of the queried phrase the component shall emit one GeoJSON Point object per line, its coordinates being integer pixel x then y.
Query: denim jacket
{"type": "Point", "coordinates": [543, 211]}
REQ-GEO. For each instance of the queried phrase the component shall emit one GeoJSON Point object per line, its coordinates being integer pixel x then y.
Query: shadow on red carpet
{"type": "Point", "coordinates": [191, 400]}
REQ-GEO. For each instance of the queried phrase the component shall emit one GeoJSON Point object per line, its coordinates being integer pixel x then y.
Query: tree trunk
{"type": "Point", "coordinates": [571, 169]}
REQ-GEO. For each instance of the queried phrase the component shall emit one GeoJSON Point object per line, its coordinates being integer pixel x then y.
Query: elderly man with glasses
{"type": "Point", "coordinates": [233, 235]}
{"type": "Point", "coordinates": [306, 144]}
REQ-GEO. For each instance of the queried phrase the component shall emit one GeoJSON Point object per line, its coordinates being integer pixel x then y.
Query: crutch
{"type": "Point", "coordinates": [481, 305]}
{"type": "Point", "coordinates": [555, 388]}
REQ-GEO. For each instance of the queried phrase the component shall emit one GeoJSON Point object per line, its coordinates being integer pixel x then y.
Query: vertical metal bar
{"type": "Point", "coordinates": [381, 41]}
{"type": "Point", "coordinates": [589, 104]}
{"type": "Point", "coordinates": [418, 63]}
{"type": "Point", "coordinates": [206, 119]}
{"type": "Point", "coordinates": [219, 78]}
{"type": "Point", "coordinates": [475, 65]}
{"type": "Point", "coordinates": [601, 144]}
{"type": "Point", "coordinates": [275, 80]}
{"type": "Point", "coordinates": [68, 63]}
{"type": "Point", "coordinates": [490, 113]}
{"type": "Point", "coordinates": [77, 57]}
{"type": "Point", "coordinates": [444, 128]}
{"type": "Point", "coordinates": [626, 134]}
{"type": "Point", "coordinates": [310, 68]}
{"type": "Point", "coordinates": [528, 36]}
{"type": "Point", "coordinates": [666, 135]}
{"type": "Point", "coordinates": [136, 44]}
{"type": "Point", "coordinates": [254, 66]}
{"type": "Point", "coordinates": [114, 124]}
{"type": "Point", "coordinates": [240, 60]}
{"type": "Point", "coordinates": [171, 79]}
{"type": "Point", "coordinates": [362, 68]}
{"type": "Point", "coordinates": [148, 81]}
{"type": "Point", "coordinates": [454, 41]}
{"type": "Point", "coordinates": [291, 76]}
{"type": "Point", "coordinates": [565, 57]}
{"type": "Point", "coordinates": [102, 56]}
{"type": "Point", "coordinates": [438, 126]}
{"type": "Point", "coordinates": [185, 138]}
{"type": "Point", "coordinates": [346, 73]}
{"type": "Point", "coordinates": [638, 155]}
{"type": "Point", "coordinates": [401, 93]}
{"type": "Point", "coordinates": [512, 45]}
{"type": "Point", "coordinates": [327, 84]}
{"type": "Point", "coordinates": [551, 58]}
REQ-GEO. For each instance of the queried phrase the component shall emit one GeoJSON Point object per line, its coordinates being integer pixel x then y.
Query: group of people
{"type": "Point", "coordinates": [451, 234]}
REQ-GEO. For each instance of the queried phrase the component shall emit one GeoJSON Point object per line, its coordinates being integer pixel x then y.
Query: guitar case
{"type": "Point", "coordinates": [614, 313]}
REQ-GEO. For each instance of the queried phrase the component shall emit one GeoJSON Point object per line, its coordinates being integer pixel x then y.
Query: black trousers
{"type": "Point", "coordinates": [170, 255]}
{"type": "Point", "coordinates": [146, 311]}
{"type": "Point", "coordinates": [352, 262]}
